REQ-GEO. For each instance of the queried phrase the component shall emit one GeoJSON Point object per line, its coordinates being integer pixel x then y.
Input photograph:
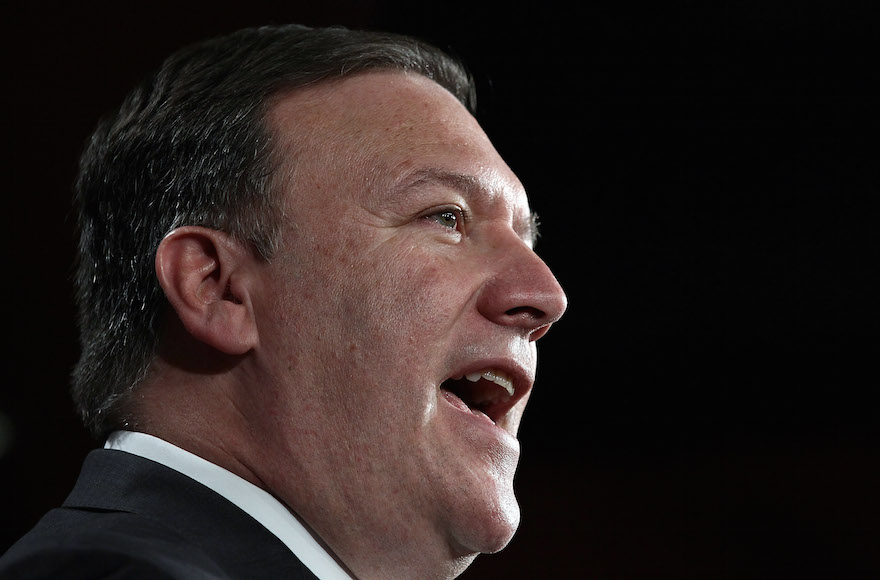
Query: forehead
{"type": "Point", "coordinates": [386, 134]}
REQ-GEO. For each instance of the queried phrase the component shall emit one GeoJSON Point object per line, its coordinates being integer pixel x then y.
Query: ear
{"type": "Point", "coordinates": [208, 277]}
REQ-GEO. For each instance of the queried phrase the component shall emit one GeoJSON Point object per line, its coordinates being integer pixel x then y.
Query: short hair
{"type": "Point", "coordinates": [191, 145]}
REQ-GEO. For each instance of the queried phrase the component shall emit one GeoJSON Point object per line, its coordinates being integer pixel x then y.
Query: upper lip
{"type": "Point", "coordinates": [521, 376]}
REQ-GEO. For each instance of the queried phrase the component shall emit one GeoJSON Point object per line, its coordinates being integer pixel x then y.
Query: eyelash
{"type": "Point", "coordinates": [460, 215]}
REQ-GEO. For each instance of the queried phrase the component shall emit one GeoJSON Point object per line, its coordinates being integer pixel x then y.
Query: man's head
{"type": "Point", "coordinates": [190, 146]}
{"type": "Point", "coordinates": [370, 361]}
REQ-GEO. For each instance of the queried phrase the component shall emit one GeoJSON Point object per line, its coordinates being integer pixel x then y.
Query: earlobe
{"type": "Point", "coordinates": [208, 277]}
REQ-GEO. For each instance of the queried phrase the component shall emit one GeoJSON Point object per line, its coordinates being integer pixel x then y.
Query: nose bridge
{"type": "Point", "coordinates": [522, 291]}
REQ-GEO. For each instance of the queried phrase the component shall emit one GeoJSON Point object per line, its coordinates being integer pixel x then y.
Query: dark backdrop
{"type": "Point", "coordinates": [705, 173]}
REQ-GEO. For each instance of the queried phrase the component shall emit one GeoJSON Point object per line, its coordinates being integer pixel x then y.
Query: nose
{"type": "Point", "coordinates": [522, 292]}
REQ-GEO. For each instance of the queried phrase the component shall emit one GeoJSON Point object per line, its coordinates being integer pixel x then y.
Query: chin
{"type": "Point", "coordinates": [502, 530]}
{"type": "Point", "coordinates": [491, 529]}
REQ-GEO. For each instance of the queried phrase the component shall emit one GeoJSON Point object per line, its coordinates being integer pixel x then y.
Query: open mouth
{"type": "Point", "coordinates": [488, 392]}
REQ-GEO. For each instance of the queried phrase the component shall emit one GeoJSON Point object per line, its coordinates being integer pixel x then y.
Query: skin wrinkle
{"type": "Point", "coordinates": [477, 189]}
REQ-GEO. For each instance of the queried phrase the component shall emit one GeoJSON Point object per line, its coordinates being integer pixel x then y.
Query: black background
{"type": "Point", "coordinates": [705, 175]}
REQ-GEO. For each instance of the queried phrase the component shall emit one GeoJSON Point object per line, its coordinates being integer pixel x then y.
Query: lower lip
{"type": "Point", "coordinates": [480, 420]}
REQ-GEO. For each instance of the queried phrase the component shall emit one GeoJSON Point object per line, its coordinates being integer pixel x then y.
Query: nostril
{"type": "Point", "coordinates": [535, 319]}
{"type": "Point", "coordinates": [526, 312]}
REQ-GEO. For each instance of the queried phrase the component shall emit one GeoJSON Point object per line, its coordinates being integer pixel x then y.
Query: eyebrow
{"type": "Point", "coordinates": [474, 187]}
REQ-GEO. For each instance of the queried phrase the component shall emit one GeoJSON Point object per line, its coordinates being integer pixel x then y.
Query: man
{"type": "Point", "coordinates": [309, 305]}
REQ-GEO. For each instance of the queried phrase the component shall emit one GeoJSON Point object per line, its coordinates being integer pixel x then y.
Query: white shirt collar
{"type": "Point", "coordinates": [251, 499]}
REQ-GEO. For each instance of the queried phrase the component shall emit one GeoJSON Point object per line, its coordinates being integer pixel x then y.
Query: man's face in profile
{"type": "Point", "coordinates": [406, 267]}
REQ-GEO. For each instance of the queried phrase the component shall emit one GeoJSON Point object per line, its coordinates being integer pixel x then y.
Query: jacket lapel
{"type": "Point", "coordinates": [117, 481]}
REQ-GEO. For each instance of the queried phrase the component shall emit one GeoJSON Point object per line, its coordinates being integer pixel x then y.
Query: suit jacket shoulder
{"type": "Point", "coordinates": [131, 518]}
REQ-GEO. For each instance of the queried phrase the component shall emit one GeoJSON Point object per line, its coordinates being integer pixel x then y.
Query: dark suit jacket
{"type": "Point", "coordinates": [131, 518]}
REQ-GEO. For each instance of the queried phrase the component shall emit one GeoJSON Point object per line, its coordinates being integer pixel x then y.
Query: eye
{"type": "Point", "coordinates": [446, 218]}
{"type": "Point", "coordinates": [450, 218]}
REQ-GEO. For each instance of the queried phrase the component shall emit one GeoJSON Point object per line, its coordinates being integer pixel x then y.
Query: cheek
{"type": "Point", "coordinates": [378, 313]}
{"type": "Point", "coordinates": [399, 322]}
{"type": "Point", "coordinates": [408, 294]}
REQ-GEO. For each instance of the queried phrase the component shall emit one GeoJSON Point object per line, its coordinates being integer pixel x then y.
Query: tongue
{"type": "Point", "coordinates": [455, 400]}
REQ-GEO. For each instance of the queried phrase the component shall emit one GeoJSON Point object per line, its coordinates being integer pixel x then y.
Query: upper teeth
{"type": "Point", "coordinates": [494, 375]}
